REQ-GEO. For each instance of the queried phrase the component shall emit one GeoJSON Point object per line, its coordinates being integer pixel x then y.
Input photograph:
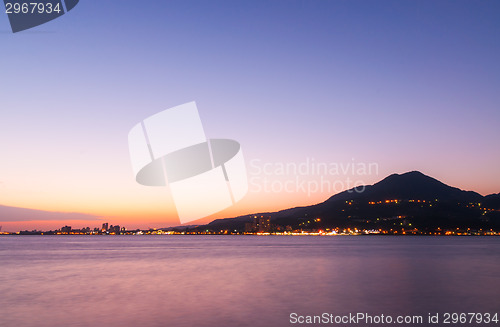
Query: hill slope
{"type": "Point", "coordinates": [422, 200]}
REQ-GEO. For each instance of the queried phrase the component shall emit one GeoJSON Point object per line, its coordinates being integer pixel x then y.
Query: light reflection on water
{"type": "Point", "coordinates": [239, 280]}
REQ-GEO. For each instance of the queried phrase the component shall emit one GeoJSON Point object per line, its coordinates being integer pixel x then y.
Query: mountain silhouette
{"type": "Point", "coordinates": [411, 185]}
{"type": "Point", "coordinates": [492, 201]}
{"type": "Point", "coordinates": [366, 205]}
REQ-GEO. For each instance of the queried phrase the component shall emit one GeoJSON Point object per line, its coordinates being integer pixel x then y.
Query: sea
{"type": "Point", "coordinates": [243, 280]}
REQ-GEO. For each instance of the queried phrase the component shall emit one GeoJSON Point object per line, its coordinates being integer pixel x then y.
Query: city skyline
{"type": "Point", "coordinates": [400, 85]}
{"type": "Point", "coordinates": [426, 198]}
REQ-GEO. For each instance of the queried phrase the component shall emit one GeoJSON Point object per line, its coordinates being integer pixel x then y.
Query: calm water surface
{"type": "Point", "coordinates": [239, 280]}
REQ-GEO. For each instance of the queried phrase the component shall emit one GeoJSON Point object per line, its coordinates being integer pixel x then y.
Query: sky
{"type": "Point", "coordinates": [395, 86]}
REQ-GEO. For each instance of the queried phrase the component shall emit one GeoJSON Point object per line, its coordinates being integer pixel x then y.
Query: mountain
{"type": "Point", "coordinates": [422, 201]}
{"type": "Point", "coordinates": [411, 185]}
{"type": "Point", "coordinates": [492, 201]}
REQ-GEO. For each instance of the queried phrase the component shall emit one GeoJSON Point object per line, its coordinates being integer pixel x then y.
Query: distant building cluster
{"type": "Point", "coordinates": [105, 229]}
{"type": "Point", "coordinates": [112, 229]}
{"type": "Point", "coordinates": [260, 224]}
{"type": "Point", "coordinates": [355, 222]}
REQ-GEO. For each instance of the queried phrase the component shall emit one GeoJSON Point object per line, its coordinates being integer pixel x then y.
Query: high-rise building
{"type": "Point", "coordinates": [104, 227]}
{"type": "Point", "coordinates": [262, 224]}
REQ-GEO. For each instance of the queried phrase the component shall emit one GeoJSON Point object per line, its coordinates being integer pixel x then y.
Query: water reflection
{"type": "Point", "coordinates": [239, 280]}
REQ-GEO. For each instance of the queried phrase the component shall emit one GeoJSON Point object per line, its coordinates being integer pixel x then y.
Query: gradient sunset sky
{"type": "Point", "coordinates": [407, 85]}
